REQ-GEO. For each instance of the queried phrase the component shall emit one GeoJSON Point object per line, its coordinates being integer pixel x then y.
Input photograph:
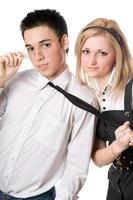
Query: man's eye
{"type": "Point", "coordinates": [30, 49]}
{"type": "Point", "coordinates": [46, 45]}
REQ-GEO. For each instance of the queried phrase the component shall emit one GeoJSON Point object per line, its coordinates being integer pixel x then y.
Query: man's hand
{"type": "Point", "coordinates": [9, 65]}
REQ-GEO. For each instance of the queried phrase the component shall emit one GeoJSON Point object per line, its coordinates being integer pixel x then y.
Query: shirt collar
{"type": "Point", "coordinates": [62, 80]}
{"type": "Point", "coordinates": [111, 82]}
{"type": "Point", "coordinates": [42, 81]}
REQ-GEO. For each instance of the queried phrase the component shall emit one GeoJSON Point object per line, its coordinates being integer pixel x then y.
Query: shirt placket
{"type": "Point", "coordinates": [43, 98]}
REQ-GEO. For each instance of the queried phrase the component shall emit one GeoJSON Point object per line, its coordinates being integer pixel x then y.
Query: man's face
{"type": "Point", "coordinates": [46, 51]}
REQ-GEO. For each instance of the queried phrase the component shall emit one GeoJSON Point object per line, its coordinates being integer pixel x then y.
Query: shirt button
{"type": "Point", "coordinates": [104, 108]}
{"type": "Point", "coordinates": [103, 99]}
{"type": "Point", "coordinates": [131, 162]}
{"type": "Point", "coordinates": [118, 190]}
{"type": "Point", "coordinates": [103, 93]}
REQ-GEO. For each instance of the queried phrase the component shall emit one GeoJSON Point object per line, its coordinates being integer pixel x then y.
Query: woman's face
{"type": "Point", "coordinates": [98, 57]}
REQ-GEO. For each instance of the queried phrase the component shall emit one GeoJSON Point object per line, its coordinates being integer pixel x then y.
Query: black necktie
{"type": "Point", "coordinates": [82, 104]}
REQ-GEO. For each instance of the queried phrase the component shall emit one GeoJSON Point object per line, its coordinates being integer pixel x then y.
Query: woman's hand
{"type": "Point", "coordinates": [124, 138]}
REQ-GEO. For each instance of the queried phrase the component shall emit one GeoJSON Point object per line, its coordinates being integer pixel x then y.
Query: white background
{"type": "Point", "coordinates": [77, 14]}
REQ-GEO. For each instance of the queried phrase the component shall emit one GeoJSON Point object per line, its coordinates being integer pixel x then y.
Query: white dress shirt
{"type": "Point", "coordinates": [45, 140]}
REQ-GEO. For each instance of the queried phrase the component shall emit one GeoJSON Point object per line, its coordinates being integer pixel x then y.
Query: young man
{"type": "Point", "coordinates": [46, 141]}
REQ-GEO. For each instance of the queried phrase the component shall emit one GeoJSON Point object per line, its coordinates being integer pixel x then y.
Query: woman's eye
{"type": "Point", "coordinates": [85, 51]}
{"type": "Point", "coordinates": [103, 53]}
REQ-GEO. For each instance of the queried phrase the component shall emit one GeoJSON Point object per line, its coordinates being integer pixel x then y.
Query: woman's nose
{"type": "Point", "coordinates": [92, 59]}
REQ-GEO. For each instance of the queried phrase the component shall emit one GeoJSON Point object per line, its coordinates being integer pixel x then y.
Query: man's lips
{"type": "Point", "coordinates": [42, 66]}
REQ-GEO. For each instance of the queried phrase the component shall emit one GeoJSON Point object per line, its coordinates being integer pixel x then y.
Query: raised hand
{"type": "Point", "coordinates": [9, 65]}
{"type": "Point", "coordinates": [124, 136]}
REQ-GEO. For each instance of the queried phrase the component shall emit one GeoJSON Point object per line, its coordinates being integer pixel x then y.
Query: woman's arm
{"type": "Point", "coordinates": [103, 154]}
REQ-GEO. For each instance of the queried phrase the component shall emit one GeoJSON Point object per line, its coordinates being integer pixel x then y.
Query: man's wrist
{"type": "Point", "coordinates": [2, 84]}
{"type": "Point", "coordinates": [1, 89]}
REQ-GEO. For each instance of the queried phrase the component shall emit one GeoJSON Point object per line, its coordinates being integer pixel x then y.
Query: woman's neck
{"type": "Point", "coordinates": [102, 82]}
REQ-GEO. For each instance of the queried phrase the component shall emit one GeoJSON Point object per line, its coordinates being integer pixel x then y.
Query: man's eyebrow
{"type": "Point", "coordinates": [46, 40]}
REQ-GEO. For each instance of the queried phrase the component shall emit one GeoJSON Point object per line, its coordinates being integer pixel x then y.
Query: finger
{"type": "Point", "coordinates": [120, 134]}
{"type": "Point", "coordinates": [4, 60]}
{"type": "Point", "coordinates": [2, 71]}
{"type": "Point", "coordinates": [129, 132]}
{"type": "Point", "coordinates": [131, 142]}
{"type": "Point", "coordinates": [127, 123]}
{"type": "Point", "coordinates": [9, 60]}
{"type": "Point", "coordinates": [122, 127]}
{"type": "Point", "coordinates": [13, 59]}
{"type": "Point", "coordinates": [131, 137]}
{"type": "Point", "coordinates": [20, 57]}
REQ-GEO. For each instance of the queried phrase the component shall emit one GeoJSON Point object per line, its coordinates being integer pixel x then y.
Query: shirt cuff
{"type": "Point", "coordinates": [1, 89]}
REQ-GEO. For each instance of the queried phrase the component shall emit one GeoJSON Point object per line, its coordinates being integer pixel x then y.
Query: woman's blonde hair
{"type": "Point", "coordinates": [110, 29]}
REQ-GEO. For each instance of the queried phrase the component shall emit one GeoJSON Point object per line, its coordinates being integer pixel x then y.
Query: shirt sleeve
{"type": "Point", "coordinates": [3, 101]}
{"type": "Point", "coordinates": [79, 154]}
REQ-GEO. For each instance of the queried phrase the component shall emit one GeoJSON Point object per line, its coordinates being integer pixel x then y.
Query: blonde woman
{"type": "Point", "coordinates": [104, 63]}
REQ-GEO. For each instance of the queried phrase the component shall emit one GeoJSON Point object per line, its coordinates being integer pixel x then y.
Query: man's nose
{"type": "Point", "coordinates": [38, 54]}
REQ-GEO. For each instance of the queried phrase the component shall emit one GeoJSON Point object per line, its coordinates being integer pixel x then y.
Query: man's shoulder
{"type": "Point", "coordinates": [25, 73]}
{"type": "Point", "coordinates": [21, 77]}
{"type": "Point", "coordinates": [81, 91]}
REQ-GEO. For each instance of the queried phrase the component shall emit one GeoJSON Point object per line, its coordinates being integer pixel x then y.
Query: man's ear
{"type": "Point", "coordinates": [65, 42]}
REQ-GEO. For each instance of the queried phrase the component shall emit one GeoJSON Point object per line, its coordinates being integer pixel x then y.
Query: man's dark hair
{"type": "Point", "coordinates": [48, 17]}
